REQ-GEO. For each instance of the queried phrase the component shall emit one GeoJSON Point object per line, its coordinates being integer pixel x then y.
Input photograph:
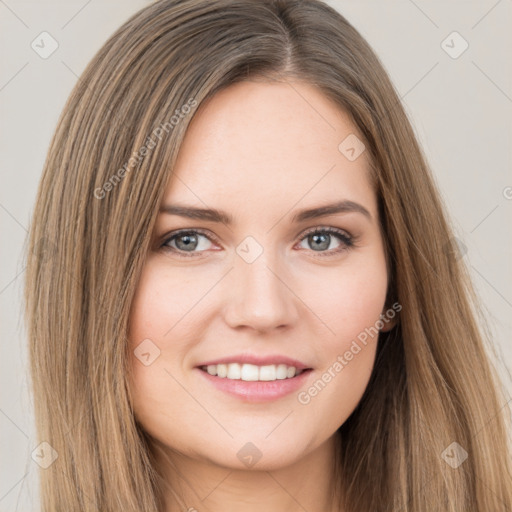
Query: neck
{"type": "Point", "coordinates": [201, 485]}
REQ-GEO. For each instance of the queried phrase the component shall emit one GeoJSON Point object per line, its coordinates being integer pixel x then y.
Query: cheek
{"type": "Point", "coordinates": [350, 314]}
{"type": "Point", "coordinates": [153, 313]}
{"type": "Point", "coordinates": [165, 307]}
{"type": "Point", "coordinates": [154, 305]}
{"type": "Point", "coordinates": [158, 315]}
{"type": "Point", "coordinates": [348, 300]}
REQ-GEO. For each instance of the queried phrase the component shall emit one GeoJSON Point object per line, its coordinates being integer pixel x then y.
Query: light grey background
{"type": "Point", "coordinates": [460, 108]}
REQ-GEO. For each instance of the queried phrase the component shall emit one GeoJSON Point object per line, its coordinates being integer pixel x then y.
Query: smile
{"type": "Point", "coordinates": [231, 380]}
{"type": "Point", "coordinates": [252, 372]}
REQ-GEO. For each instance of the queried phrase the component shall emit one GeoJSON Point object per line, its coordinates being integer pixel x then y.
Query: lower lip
{"type": "Point", "coordinates": [257, 391]}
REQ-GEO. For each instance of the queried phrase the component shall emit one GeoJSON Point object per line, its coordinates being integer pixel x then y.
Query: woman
{"type": "Point", "coordinates": [242, 289]}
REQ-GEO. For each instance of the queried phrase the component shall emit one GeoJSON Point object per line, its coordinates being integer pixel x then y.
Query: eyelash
{"type": "Point", "coordinates": [347, 240]}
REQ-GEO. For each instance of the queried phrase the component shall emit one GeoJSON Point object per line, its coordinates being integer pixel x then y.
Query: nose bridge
{"type": "Point", "coordinates": [259, 297]}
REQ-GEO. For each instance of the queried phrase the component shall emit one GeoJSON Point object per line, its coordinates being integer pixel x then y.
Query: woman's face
{"type": "Point", "coordinates": [277, 285]}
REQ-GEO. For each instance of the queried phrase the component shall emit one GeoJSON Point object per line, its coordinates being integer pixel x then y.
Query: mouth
{"type": "Point", "coordinates": [253, 373]}
{"type": "Point", "coordinates": [255, 383]}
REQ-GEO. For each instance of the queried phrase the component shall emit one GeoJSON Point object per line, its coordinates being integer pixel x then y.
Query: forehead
{"type": "Point", "coordinates": [260, 143]}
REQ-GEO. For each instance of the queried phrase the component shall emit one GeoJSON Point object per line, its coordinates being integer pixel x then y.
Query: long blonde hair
{"type": "Point", "coordinates": [106, 169]}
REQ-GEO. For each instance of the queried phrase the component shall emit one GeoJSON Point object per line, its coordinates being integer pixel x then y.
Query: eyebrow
{"type": "Point", "coordinates": [214, 215]}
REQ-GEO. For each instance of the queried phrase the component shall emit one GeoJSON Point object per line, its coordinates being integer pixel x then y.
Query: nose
{"type": "Point", "coordinates": [260, 295]}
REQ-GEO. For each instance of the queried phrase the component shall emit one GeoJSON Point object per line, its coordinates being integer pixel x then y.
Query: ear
{"type": "Point", "coordinates": [389, 317]}
{"type": "Point", "coordinates": [388, 325]}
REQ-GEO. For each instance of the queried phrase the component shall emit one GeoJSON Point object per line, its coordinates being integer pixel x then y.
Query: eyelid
{"type": "Point", "coordinates": [329, 229]}
{"type": "Point", "coordinates": [347, 239]}
{"type": "Point", "coordinates": [174, 234]}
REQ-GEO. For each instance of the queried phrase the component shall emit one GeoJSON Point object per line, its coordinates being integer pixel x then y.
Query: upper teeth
{"type": "Point", "coordinates": [252, 372]}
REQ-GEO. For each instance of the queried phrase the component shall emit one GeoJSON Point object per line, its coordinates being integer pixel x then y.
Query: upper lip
{"type": "Point", "coordinates": [258, 361]}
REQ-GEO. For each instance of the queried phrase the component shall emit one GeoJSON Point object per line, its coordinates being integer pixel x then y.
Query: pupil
{"type": "Point", "coordinates": [325, 243]}
{"type": "Point", "coordinates": [189, 241]}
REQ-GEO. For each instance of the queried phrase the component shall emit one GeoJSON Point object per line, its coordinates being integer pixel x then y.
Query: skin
{"type": "Point", "coordinates": [261, 151]}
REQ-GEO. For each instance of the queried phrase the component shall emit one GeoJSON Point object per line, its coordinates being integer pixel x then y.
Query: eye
{"type": "Point", "coordinates": [184, 242]}
{"type": "Point", "coordinates": [187, 243]}
{"type": "Point", "coordinates": [320, 239]}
